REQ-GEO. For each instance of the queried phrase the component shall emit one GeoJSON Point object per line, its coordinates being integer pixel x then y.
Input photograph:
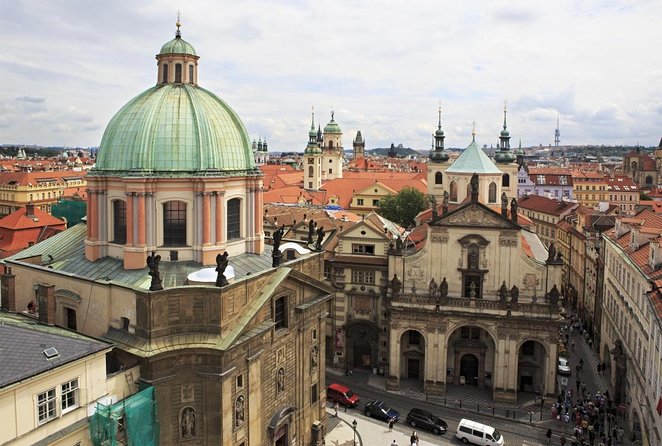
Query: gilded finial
{"type": "Point", "coordinates": [473, 131]}
{"type": "Point", "coordinates": [178, 24]}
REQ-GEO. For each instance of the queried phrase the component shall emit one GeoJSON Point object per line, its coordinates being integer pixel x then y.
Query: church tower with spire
{"type": "Point", "coordinates": [313, 160]}
{"type": "Point", "coordinates": [332, 150]}
{"type": "Point", "coordinates": [505, 160]}
{"type": "Point", "coordinates": [438, 164]}
{"type": "Point", "coordinates": [359, 146]}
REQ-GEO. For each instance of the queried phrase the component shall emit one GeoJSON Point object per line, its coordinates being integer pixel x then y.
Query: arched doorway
{"type": "Point", "coordinates": [412, 352]}
{"type": "Point", "coordinates": [469, 369]}
{"type": "Point", "coordinates": [471, 356]}
{"type": "Point", "coordinates": [531, 358]}
{"type": "Point", "coordinates": [362, 345]}
{"type": "Point", "coordinates": [362, 354]}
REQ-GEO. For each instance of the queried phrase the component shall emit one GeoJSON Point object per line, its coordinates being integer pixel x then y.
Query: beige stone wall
{"type": "Point", "coordinates": [18, 407]}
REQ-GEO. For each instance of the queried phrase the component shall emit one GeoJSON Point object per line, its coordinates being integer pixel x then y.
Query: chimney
{"type": "Point", "coordinates": [8, 284]}
{"type": "Point", "coordinates": [655, 253]}
{"type": "Point", "coordinates": [29, 210]}
{"type": "Point", "coordinates": [47, 306]}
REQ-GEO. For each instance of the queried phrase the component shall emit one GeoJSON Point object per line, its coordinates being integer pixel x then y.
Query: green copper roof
{"type": "Point", "coordinates": [178, 46]}
{"type": "Point", "coordinates": [332, 127]}
{"type": "Point", "coordinates": [473, 159]}
{"type": "Point", "coordinates": [175, 129]}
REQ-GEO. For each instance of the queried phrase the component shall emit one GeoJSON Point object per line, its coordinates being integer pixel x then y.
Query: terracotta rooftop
{"type": "Point", "coordinates": [546, 205]}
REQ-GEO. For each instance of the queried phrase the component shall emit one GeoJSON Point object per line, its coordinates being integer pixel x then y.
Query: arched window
{"type": "Point", "coordinates": [438, 178]}
{"type": "Point", "coordinates": [174, 223]}
{"type": "Point", "coordinates": [234, 220]}
{"type": "Point", "coordinates": [190, 74]}
{"type": "Point", "coordinates": [119, 222]}
{"type": "Point", "coordinates": [311, 171]}
{"type": "Point", "coordinates": [178, 73]}
{"type": "Point", "coordinates": [165, 73]}
{"type": "Point", "coordinates": [330, 144]}
{"type": "Point", "coordinates": [453, 192]}
{"type": "Point", "coordinates": [633, 166]}
{"type": "Point", "coordinates": [492, 192]}
{"type": "Point", "coordinates": [505, 180]}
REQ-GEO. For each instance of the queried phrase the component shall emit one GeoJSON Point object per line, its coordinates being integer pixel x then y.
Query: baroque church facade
{"type": "Point", "coordinates": [230, 344]}
{"type": "Point", "coordinates": [474, 298]}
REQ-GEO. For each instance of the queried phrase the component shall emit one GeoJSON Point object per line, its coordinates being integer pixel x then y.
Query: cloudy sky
{"type": "Point", "coordinates": [382, 65]}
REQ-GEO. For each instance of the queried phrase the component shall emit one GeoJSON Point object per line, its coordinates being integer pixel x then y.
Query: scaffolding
{"type": "Point", "coordinates": [130, 422]}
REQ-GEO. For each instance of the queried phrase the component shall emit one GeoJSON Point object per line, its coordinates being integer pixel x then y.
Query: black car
{"type": "Point", "coordinates": [379, 409]}
{"type": "Point", "coordinates": [426, 420]}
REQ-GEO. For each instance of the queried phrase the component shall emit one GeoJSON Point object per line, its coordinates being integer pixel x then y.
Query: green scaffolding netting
{"type": "Point", "coordinates": [130, 422]}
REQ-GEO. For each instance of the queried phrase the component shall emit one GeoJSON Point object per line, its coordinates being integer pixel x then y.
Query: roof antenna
{"type": "Point", "coordinates": [178, 24]}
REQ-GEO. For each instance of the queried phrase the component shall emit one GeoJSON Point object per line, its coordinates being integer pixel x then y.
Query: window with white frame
{"type": "Point", "coordinates": [46, 406]}
{"type": "Point", "coordinates": [363, 276]}
{"type": "Point", "coordinates": [70, 395]}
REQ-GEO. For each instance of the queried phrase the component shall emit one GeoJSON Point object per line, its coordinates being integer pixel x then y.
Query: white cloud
{"type": "Point", "coordinates": [383, 66]}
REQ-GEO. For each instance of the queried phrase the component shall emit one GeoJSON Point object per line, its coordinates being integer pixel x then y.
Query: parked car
{"type": "Point", "coordinates": [477, 433]}
{"type": "Point", "coordinates": [342, 395]}
{"type": "Point", "coordinates": [426, 420]}
{"type": "Point", "coordinates": [379, 409]}
{"type": "Point", "coordinates": [564, 367]}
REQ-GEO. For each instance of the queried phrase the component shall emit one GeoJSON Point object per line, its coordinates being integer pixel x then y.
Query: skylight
{"type": "Point", "coordinates": [51, 353]}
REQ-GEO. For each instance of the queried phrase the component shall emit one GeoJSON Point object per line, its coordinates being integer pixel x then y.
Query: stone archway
{"type": "Point", "coordinates": [362, 345]}
{"type": "Point", "coordinates": [412, 352]}
{"type": "Point", "coordinates": [531, 367]}
{"type": "Point", "coordinates": [471, 341]}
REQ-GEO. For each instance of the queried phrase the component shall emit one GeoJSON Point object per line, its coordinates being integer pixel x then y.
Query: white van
{"type": "Point", "coordinates": [477, 433]}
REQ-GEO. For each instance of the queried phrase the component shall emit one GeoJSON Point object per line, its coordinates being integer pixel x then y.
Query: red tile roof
{"type": "Point", "coordinates": [546, 205]}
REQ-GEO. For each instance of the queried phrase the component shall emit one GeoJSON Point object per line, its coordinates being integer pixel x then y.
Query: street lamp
{"type": "Point", "coordinates": [354, 423]}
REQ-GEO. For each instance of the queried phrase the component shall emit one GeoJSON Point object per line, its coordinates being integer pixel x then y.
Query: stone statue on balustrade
{"type": "Point", "coordinates": [443, 288]}
{"type": "Point", "coordinates": [503, 292]}
{"type": "Point", "coordinates": [514, 294]}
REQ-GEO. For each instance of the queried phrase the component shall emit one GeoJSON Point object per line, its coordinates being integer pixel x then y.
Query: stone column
{"type": "Point", "coordinates": [129, 219]}
{"type": "Point", "coordinates": [393, 378]}
{"type": "Point", "coordinates": [149, 218]}
{"type": "Point", "coordinates": [92, 215]}
{"type": "Point", "coordinates": [141, 219]}
{"type": "Point", "coordinates": [206, 219]}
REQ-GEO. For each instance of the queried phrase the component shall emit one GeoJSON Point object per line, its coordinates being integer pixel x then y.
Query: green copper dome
{"type": "Point", "coordinates": [175, 129]}
{"type": "Point", "coordinates": [178, 46]}
{"type": "Point", "coordinates": [332, 127]}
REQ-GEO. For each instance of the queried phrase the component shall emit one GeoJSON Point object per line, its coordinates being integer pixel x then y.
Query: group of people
{"type": "Point", "coordinates": [413, 440]}
{"type": "Point", "coordinates": [593, 416]}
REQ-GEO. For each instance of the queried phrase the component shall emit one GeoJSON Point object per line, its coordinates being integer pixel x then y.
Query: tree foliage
{"type": "Point", "coordinates": [403, 207]}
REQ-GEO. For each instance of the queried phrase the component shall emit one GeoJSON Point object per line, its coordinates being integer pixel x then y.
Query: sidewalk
{"type": "Point", "coordinates": [369, 432]}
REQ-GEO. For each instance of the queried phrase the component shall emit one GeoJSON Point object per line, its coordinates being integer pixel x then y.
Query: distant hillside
{"type": "Point", "coordinates": [402, 152]}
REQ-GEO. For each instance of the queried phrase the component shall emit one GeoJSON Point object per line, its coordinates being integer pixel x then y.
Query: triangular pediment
{"type": "Point", "coordinates": [474, 214]}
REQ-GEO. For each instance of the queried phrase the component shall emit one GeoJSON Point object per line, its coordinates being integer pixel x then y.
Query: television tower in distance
{"type": "Point", "coordinates": [557, 133]}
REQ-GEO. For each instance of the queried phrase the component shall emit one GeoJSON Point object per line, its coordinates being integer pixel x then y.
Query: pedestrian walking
{"type": "Point", "coordinates": [562, 440]}
{"type": "Point", "coordinates": [395, 443]}
{"type": "Point", "coordinates": [413, 439]}
{"type": "Point", "coordinates": [391, 421]}
{"type": "Point", "coordinates": [549, 435]}
{"type": "Point", "coordinates": [335, 409]}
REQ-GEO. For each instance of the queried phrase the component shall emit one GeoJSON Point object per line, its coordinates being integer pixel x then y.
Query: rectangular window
{"type": "Point", "coordinates": [119, 221]}
{"type": "Point", "coordinates": [363, 249]}
{"type": "Point", "coordinates": [46, 407]}
{"type": "Point", "coordinates": [363, 276]}
{"type": "Point", "coordinates": [71, 318]}
{"type": "Point", "coordinates": [279, 314]}
{"type": "Point", "coordinates": [174, 223]}
{"type": "Point", "coordinates": [313, 394]}
{"type": "Point", "coordinates": [234, 208]}
{"type": "Point", "coordinates": [359, 201]}
{"type": "Point", "coordinates": [70, 395]}
{"type": "Point", "coordinates": [375, 202]}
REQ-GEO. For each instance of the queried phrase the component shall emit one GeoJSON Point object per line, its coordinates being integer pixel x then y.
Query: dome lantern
{"type": "Point", "coordinates": [177, 61]}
